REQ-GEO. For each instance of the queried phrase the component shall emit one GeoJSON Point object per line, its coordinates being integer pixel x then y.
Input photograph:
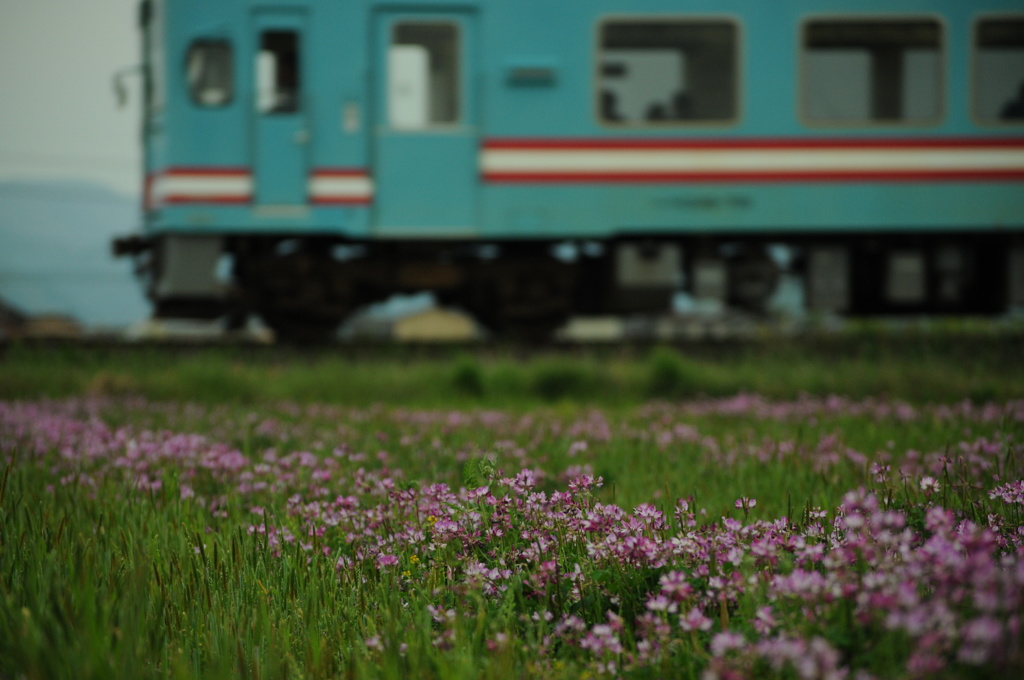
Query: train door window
{"type": "Point", "coordinates": [208, 68]}
{"type": "Point", "coordinates": [423, 75]}
{"type": "Point", "coordinates": [278, 73]}
{"type": "Point", "coordinates": [858, 71]}
{"type": "Point", "coordinates": [667, 72]}
{"type": "Point", "coordinates": [999, 70]}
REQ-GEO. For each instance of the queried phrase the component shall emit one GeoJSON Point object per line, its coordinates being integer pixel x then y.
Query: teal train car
{"type": "Point", "coordinates": [532, 160]}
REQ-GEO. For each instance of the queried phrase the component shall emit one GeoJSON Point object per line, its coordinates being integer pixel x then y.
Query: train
{"type": "Point", "coordinates": [530, 161]}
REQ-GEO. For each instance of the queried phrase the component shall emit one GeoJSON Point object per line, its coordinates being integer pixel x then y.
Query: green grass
{"type": "Point", "coordinates": [917, 367]}
{"type": "Point", "coordinates": [100, 589]}
{"type": "Point", "coordinates": [101, 581]}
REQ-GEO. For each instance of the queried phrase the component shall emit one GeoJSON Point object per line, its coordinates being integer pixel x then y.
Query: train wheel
{"type": "Point", "coordinates": [302, 296]}
{"type": "Point", "coordinates": [525, 300]}
{"type": "Point", "coordinates": [753, 278]}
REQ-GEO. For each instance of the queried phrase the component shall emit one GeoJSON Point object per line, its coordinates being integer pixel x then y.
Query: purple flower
{"type": "Point", "coordinates": [386, 561]}
{"type": "Point", "coordinates": [695, 620]}
{"type": "Point", "coordinates": [660, 603]}
{"type": "Point", "coordinates": [982, 637]}
{"type": "Point", "coordinates": [1011, 493]}
{"type": "Point", "coordinates": [601, 640]}
{"type": "Point", "coordinates": [725, 642]}
{"type": "Point", "coordinates": [745, 504]}
{"type": "Point", "coordinates": [764, 621]}
{"type": "Point", "coordinates": [929, 485]}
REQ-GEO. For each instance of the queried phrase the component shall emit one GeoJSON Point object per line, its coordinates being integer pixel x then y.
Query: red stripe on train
{"type": "Point", "coordinates": [232, 199]}
{"type": "Point", "coordinates": [938, 143]}
{"type": "Point", "coordinates": [708, 177]}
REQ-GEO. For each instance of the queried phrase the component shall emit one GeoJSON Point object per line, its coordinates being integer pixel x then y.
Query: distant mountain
{"type": "Point", "coordinates": [55, 252]}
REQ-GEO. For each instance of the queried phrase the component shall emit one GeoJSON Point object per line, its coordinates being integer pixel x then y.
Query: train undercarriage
{"type": "Point", "coordinates": [304, 288]}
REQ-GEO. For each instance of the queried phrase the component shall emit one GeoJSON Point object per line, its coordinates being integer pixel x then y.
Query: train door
{"type": "Point", "coordinates": [425, 128]}
{"type": "Point", "coordinates": [281, 119]}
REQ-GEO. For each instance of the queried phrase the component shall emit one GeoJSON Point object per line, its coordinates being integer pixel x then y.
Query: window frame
{"type": "Point", "coordinates": [972, 74]}
{"type": "Point", "coordinates": [207, 42]}
{"type": "Point", "coordinates": [739, 74]}
{"type": "Point", "coordinates": [942, 114]}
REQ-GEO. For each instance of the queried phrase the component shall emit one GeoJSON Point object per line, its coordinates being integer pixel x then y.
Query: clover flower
{"type": "Point", "coordinates": [951, 586]}
{"type": "Point", "coordinates": [384, 561]}
{"type": "Point", "coordinates": [601, 640]}
{"type": "Point", "coordinates": [694, 620]}
{"type": "Point", "coordinates": [745, 504]}
{"type": "Point", "coordinates": [725, 642]}
{"type": "Point", "coordinates": [1011, 493]}
{"type": "Point", "coordinates": [929, 485]}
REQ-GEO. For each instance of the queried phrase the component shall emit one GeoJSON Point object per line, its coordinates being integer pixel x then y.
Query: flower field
{"type": "Point", "coordinates": [730, 537]}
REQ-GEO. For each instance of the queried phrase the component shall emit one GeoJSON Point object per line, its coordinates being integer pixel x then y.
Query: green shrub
{"type": "Point", "coordinates": [552, 380]}
{"type": "Point", "coordinates": [668, 375]}
{"type": "Point", "coordinates": [468, 377]}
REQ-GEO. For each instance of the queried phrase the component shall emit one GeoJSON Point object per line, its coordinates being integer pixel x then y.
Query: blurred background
{"type": "Point", "coordinates": [69, 160]}
{"type": "Point", "coordinates": [69, 180]}
{"type": "Point", "coordinates": [70, 164]}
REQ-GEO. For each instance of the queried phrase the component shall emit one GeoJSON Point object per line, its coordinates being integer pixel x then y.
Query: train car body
{"type": "Point", "coordinates": [530, 160]}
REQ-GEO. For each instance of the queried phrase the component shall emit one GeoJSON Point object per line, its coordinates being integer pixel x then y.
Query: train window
{"type": "Point", "coordinates": [667, 72]}
{"type": "Point", "coordinates": [278, 81]}
{"type": "Point", "coordinates": [858, 71]}
{"type": "Point", "coordinates": [999, 70]}
{"type": "Point", "coordinates": [208, 68]}
{"type": "Point", "coordinates": [423, 75]}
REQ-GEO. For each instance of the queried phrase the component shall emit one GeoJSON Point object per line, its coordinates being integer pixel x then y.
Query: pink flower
{"type": "Point", "coordinates": [723, 643]}
{"type": "Point", "coordinates": [585, 482]}
{"type": "Point", "coordinates": [602, 639]}
{"type": "Point", "coordinates": [765, 622]}
{"type": "Point", "coordinates": [498, 643]}
{"type": "Point", "coordinates": [695, 620]}
{"type": "Point", "coordinates": [745, 504]}
{"type": "Point", "coordinates": [386, 561]}
{"type": "Point", "coordinates": [660, 603]}
{"type": "Point", "coordinates": [1011, 493]}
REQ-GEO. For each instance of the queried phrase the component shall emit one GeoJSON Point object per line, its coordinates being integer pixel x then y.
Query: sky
{"type": "Point", "coordinates": [59, 117]}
